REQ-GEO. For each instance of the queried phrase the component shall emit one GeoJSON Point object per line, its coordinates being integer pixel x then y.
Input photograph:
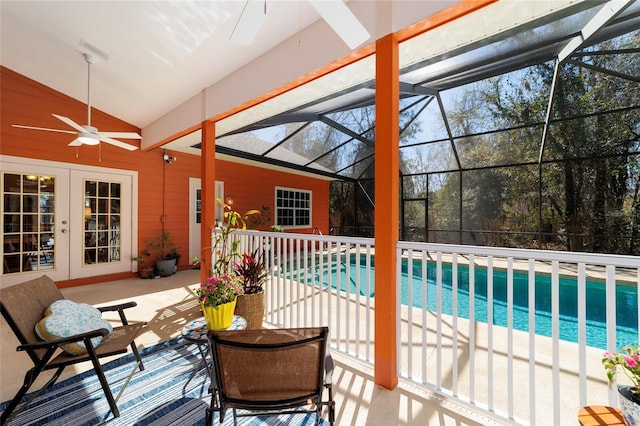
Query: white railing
{"type": "Point", "coordinates": [498, 365]}
{"type": "Point", "coordinates": [450, 348]}
{"type": "Point", "coordinates": [306, 271]}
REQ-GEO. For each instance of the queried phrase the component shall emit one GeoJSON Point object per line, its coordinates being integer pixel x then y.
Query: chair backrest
{"type": "Point", "coordinates": [23, 305]}
{"type": "Point", "coordinates": [269, 366]}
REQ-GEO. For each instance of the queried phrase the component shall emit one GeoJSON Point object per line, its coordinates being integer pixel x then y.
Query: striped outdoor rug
{"type": "Point", "coordinates": [162, 394]}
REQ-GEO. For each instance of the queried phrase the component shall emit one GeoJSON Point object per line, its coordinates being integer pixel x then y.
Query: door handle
{"type": "Point", "coordinates": [64, 231]}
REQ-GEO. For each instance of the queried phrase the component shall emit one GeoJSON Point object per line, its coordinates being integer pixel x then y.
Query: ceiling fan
{"type": "Point", "coordinates": [87, 134]}
{"type": "Point", "coordinates": [334, 12]}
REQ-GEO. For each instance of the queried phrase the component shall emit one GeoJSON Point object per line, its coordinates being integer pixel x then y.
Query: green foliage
{"type": "Point", "coordinates": [141, 258]}
{"type": "Point", "coordinates": [577, 188]}
{"type": "Point", "coordinates": [163, 246]}
{"type": "Point", "coordinates": [225, 248]}
{"type": "Point", "coordinates": [252, 271]}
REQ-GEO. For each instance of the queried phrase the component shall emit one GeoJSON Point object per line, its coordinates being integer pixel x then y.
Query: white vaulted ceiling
{"type": "Point", "coordinates": [162, 54]}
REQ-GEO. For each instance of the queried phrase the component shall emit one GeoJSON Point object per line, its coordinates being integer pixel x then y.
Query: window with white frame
{"type": "Point", "coordinates": [293, 208]}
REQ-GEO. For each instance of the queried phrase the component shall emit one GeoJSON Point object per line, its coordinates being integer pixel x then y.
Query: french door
{"type": "Point", "coordinates": [65, 221]}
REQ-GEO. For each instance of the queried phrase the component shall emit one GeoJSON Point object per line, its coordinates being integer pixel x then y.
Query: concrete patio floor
{"type": "Point", "coordinates": [166, 304]}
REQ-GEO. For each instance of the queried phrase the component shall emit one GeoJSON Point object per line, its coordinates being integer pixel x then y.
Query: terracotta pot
{"type": "Point", "coordinates": [219, 317]}
{"type": "Point", "coordinates": [144, 271]}
{"type": "Point", "coordinates": [251, 307]}
{"type": "Point", "coordinates": [629, 405]}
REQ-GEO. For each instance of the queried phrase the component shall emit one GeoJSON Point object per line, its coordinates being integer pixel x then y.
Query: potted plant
{"type": "Point", "coordinates": [167, 253]}
{"type": "Point", "coordinates": [253, 273]}
{"type": "Point", "coordinates": [226, 249]}
{"type": "Point", "coordinates": [626, 360]}
{"type": "Point", "coordinates": [218, 294]}
{"type": "Point", "coordinates": [275, 228]}
{"type": "Point", "coordinates": [144, 266]}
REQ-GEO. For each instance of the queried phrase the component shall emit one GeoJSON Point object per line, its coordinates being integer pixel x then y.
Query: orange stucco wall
{"type": "Point", "coordinates": [163, 189]}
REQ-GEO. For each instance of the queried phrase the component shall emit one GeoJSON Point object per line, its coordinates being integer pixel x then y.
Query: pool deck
{"type": "Point", "coordinates": [169, 303]}
{"type": "Point", "coordinates": [481, 362]}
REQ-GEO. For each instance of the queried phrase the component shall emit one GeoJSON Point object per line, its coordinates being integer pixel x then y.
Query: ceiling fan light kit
{"type": "Point", "coordinates": [88, 138]}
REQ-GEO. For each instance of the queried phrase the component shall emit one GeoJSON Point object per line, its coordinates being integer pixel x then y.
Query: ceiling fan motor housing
{"type": "Point", "coordinates": [89, 136]}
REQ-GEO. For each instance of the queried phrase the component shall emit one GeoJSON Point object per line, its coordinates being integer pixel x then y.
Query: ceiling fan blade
{"type": "Point", "coordinates": [121, 135]}
{"type": "Point", "coordinates": [117, 143]}
{"type": "Point", "coordinates": [75, 142]}
{"type": "Point", "coordinates": [44, 128]}
{"type": "Point", "coordinates": [249, 23]}
{"type": "Point", "coordinates": [342, 21]}
{"type": "Point", "coordinates": [70, 122]}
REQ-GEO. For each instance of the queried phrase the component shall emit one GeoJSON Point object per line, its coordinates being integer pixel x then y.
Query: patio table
{"type": "Point", "coordinates": [195, 332]}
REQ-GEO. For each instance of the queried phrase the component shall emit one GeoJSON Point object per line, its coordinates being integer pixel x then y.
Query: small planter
{"type": "Point", "coordinates": [166, 267]}
{"type": "Point", "coordinates": [251, 307]}
{"type": "Point", "coordinates": [629, 405]}
{"type": "Point", "coordinates": [219, 317]}
{"type": "Point", "coordinates": [145, 271]}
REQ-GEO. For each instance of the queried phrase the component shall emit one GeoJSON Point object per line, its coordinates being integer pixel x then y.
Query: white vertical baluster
{"type": "Point", "coordinates": [439, 320]}
{"type": "Point", "coordinates": [425, 309]}
{"type": "Point", "coordinates": [370, 278]}
{"type": "Point", "coordinates": [555, 335]}
{"type": "Point", "coordinates": [490, 332]}
{"type": "Point", "coordinates": [472, 328]}
{"type": "Point", "coordinates": [409, 290]}
{"type": "Point", "coordinates": [532, 341]}
{"type": "Point", "coordinates": [358, 259]}
{"type": "Point", "coordinates": [582, 332]}
{"type": "Point", "coordinates": [454, 321]}
{"type": "Point", "coordinates": [611, 321]}
{"type": "Point", "coordinates": [510, 336]}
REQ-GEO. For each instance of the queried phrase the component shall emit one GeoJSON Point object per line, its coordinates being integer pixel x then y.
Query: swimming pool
{"type": "Point", "coordinates": [596, 333]}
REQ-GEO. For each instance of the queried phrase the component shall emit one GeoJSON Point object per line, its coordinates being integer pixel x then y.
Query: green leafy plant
{"type": "Point", "coordinates": [626, 360]}
{"type": "Point", "coordinates": [145, 267]}
{"type": "Point", "coordinates": [226, 250]}
{"type": "Point", "coordinates": [141, 258]}
{"type": "Point", "coordinates": [223, 284]}
{"type": "Point", "coordinates": [252, 270]}
{"type": "Point", "coordinates": [163, 246]}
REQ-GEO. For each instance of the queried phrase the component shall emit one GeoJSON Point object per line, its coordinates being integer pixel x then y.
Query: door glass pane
{"type": "Point", "coordinates": [28, 219]}
{"type": "Point", "coordinates": [101, 222]}
{"type": "Point", "coordinates": [199, 205]}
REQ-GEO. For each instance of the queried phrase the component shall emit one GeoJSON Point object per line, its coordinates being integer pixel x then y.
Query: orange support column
{"type": "Point", "coordinates": [386, 210]}
{"type": "Point", "coordinates": [208, 194]}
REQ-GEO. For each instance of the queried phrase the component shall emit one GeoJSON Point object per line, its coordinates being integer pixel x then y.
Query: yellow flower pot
{"type": "Point", "coordinates": [219, 317]}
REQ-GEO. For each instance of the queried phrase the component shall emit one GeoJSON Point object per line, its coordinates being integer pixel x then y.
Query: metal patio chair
{"type": "Point", "coordinates": [23, 306]}
{"type": "Point", "coordinates": [270, 372]}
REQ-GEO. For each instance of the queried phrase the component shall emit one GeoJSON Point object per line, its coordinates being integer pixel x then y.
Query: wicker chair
{"type": "Point", "coordinates": [270, 372]}
{"type": "Point", "coordinates": [23, 306]}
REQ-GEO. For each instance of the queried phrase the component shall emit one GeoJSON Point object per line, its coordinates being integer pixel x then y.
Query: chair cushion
{"type": "Point", "coordinates": [65, 318]}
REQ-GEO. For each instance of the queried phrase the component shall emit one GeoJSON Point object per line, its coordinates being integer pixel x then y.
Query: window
{"type": "Point", "coordinates": [27, 222]}
{"type": "Point", "coordinates": [101, 222]}
{"type": "Point", "coordinates": [293, 208]}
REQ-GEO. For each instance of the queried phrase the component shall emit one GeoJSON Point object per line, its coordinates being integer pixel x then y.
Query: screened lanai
{"type": "Point", "coordinates": [525, 136]}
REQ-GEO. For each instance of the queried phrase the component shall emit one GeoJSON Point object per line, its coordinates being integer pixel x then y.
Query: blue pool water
{"type": "Point", "coordinates": [626, 298]}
